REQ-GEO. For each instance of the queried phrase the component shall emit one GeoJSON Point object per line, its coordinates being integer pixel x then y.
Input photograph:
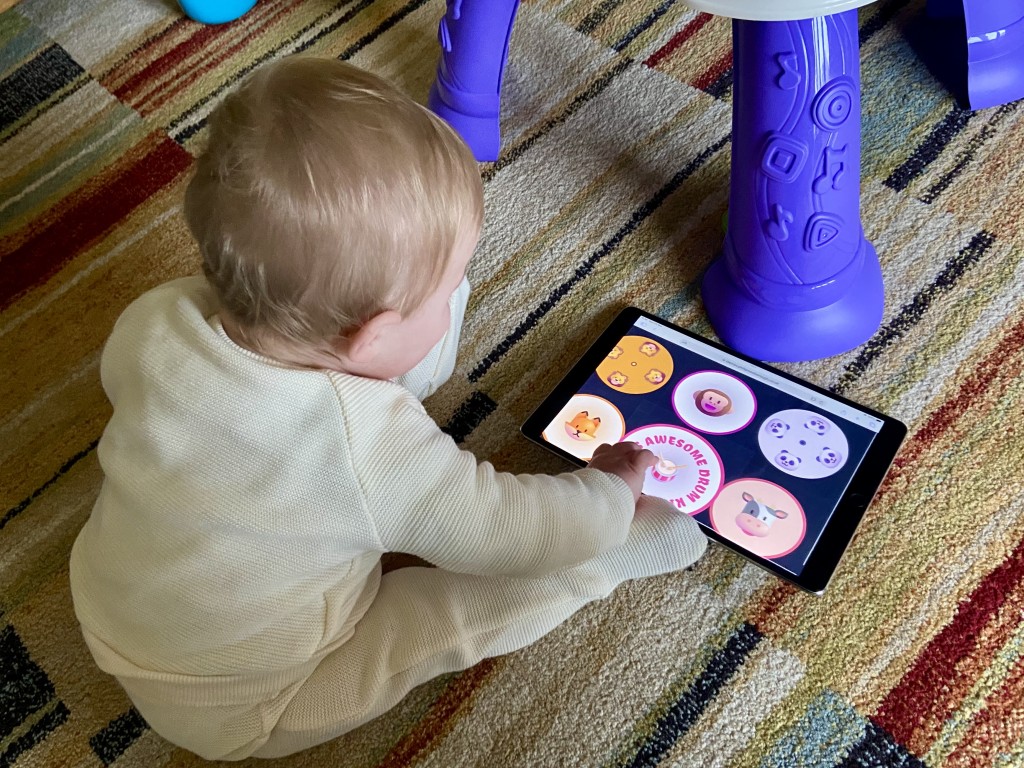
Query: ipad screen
{"type": "Point", "coordinates": [758, 458]}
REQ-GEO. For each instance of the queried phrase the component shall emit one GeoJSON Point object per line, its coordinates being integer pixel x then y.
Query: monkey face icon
{"type": "Point", "coordinates": [616, 353]}
{"type": "Point", "coordinates": [654, 376]}
{"type": "Point", "coordinates": [713, 402]}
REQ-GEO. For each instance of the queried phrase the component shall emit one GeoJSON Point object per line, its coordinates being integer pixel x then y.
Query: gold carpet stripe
{"type": "Point", "coordinates": [76, 326]}
{"type": "Point", "coordinates": [625, 18]}
{"type": "Point", "coordinates": [879, 534]}
{"type": "Point", "coordinates": [886, 663]}
{"type": "Point", "coordinates": [993, 183]}
{"type": "Point", "coordinates": [36, 545]}
{"type": "Point", "coordinates": [14, 420]}
{"type": "Point", "coordinates": [901, 382]}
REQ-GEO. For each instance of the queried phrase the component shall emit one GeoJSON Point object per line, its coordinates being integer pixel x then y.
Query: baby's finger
{"type": "Point", "coordinates": [643, 459]}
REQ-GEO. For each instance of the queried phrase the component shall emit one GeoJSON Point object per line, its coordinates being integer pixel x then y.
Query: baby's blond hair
{"type": "Point", "coordinates": [326, 196]}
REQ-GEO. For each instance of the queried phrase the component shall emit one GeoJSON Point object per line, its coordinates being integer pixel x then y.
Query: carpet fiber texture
{"type": "Point", "coordinates": [609, 191]}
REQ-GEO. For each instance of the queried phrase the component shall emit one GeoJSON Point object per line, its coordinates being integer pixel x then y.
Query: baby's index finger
{"type": "Point", "coordinates": [647, 457]}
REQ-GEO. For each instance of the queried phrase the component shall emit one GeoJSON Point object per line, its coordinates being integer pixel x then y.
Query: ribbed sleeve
{"type": "Point", "coordinates": [429, 498]}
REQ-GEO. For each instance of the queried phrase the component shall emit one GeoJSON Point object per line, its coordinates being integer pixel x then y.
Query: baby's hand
{"type": "Point", "coordinates": [627, 460]}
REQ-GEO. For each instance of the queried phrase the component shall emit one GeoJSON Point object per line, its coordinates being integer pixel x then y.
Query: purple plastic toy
{"type": "Point", "coordinates": [994, 59]}
{"type": "Point", "coordinates": [797, 279]}
{"type": "Point", "coordinates": [474, 39]}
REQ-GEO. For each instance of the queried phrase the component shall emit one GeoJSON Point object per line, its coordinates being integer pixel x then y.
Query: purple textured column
{"type": "Point", "coordinates": [993, 62]}
{"type": "Point", "coordinates": [474, 36]}
{"type": "Point", "coordinates": [797, 280]}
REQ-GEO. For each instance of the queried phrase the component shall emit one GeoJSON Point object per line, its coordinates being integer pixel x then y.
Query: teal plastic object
{"type": "Point", "coordinates": [215, 11]}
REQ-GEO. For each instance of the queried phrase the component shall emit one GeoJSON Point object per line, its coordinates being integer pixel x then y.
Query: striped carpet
{"type": "Point", "coordinates": [609, 191]}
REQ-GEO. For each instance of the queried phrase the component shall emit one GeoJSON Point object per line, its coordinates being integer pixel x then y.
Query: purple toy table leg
{"type": "Point", "coordinates": [797, 280]}
{"type": "Point", "coordinates": [467, 90]}
{"type": "Point", "coordinates": [993, 61]}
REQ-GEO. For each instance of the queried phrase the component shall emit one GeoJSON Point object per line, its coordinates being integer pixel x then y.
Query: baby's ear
{"type": "Point", "coordinates": [366, 343]}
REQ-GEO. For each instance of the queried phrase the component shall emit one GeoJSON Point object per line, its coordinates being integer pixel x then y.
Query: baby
{"type": "Point", "coordinates": [230, 574]}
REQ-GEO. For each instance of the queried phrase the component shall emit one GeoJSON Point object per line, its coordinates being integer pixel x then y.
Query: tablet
{"type": "Point", "coordinates": [775, 468]}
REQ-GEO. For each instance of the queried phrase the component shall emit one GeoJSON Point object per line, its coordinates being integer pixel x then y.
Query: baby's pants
{"type": "Point", "coordinates": [425, 622]}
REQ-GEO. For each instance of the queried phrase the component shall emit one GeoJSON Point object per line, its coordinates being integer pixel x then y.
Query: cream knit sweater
{"type": "Point", "coordinates": [237, 536]}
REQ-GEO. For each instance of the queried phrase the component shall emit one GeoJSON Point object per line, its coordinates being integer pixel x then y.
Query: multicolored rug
{"type": "Point", "coordinates": [609, 191]}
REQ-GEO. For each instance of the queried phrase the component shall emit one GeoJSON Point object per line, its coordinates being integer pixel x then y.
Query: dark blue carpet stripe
{"type": "Point", "coordinates": [598, 16]}
{"type": "Point", "coordinates": [584, 269]}
{"type": "Point", "coordinates": [643, 25]}
{"type": "Point", "coordinates": [35, 82]}
{"type": "Point", "coordinates": [681, 716]}
{"type": "Point", "coordinates": [876, 749]}
{"type": "Point", "coordinates": [929, 150]}
{"type": "Point", "coordinates": [110, 743]}
{"type": "Point", "coordinates": [976, 142]}
{"type": "Point", "coordinates": [468, 416]}
{"type": "Point", "coordinates": [912, 313]}
{"type": "Point", "coordinates": [721, 86]}
{"type": "Point", "coordinates": [16, 510]}
{"type": "Point", "coordinates": [384, 26]}
{"type": "Point", "coordinates": [47, 724]}
{"type": "Point", "coordinates": [24, 686]}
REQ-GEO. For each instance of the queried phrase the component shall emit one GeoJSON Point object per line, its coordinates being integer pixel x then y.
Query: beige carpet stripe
{"type": "Point", "coordinates": [767, 676]}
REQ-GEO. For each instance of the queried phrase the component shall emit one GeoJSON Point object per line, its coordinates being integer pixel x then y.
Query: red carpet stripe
{"type": "Point", "coordinates": [680, 37]}
{"type": "Point", "coordinates": [203, 36]}
{"type": "Point", "coordinates": [712, 75]}
{"type": "Point", "coordinates": [952, 700]}
{"type": "Point", "coordinates": [30, 258]}
{"type": "Point", "coordinates": [916, 693]}
{"type": "Point", "coordinates": [137, 85]}
{"type": "Point", "coordinates": [173, 86]}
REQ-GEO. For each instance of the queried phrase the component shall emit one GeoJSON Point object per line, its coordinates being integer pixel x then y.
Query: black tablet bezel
{"type": "Point", "coordinates": [841, 527]}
